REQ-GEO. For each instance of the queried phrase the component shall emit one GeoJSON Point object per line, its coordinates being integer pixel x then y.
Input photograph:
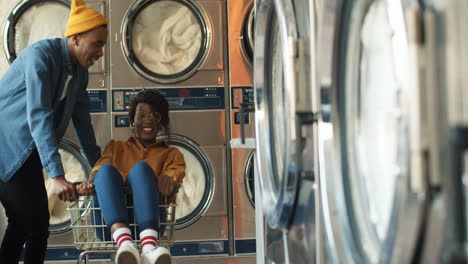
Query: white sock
{"type": "Point", "coordinates": [148, 240]}
{"type": "Point", "coordinates": [123, 236]}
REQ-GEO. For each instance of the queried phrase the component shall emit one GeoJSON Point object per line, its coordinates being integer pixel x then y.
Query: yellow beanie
{"type": "Point", "coordinates": [83, 18]}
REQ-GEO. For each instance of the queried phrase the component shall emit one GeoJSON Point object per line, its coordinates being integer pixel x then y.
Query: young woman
{"type": "Point", "coordinates": [150, 168]}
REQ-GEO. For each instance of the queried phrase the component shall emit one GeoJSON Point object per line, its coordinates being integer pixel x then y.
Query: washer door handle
{"type": "Point", "coordinates": [303, 119]}
{"type": "Point", "coordinates": [245, 109]}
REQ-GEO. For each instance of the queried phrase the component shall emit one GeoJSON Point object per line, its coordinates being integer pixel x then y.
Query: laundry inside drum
{"type": "Point", "coordinates": [74, 172]}
{"type": "Point", "coordinates": [41, 21]}
{"type": "Point", "coordinates": [166, 37]}
{"type": "Point", "coordinates": [192, 190]}
{"type": "Point", "coordinates": [378, 124]}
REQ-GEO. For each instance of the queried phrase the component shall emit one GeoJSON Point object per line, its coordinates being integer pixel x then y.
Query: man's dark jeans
{"type": "Point", "coordinates": [24, 197]}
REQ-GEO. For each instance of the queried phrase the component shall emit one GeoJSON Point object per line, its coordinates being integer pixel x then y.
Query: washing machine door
{"type": "Point", "coordinates": [247, 40]}
{"type": "Point", "coordinates": [196, 192]}
{"type": "Point", "coordinates": [249, 178]}
{"type": "Point", "coordinates": [371, 142]}
{"type": "Point", "coordinates": [76, 169]}
{"type": "Point", "coordinates": [166, 41]}
{"type": "Point", "coordinates": [31, 21]}
{"type": "Point", "coordinates": [275, 111]}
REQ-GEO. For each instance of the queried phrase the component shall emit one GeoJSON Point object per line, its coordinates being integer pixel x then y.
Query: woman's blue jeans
{"type": "Point", "coordinates": [111, 198]}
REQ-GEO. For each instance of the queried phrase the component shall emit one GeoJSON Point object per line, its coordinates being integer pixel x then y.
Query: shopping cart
{"type": "Point", "coordinates": [91, 235]}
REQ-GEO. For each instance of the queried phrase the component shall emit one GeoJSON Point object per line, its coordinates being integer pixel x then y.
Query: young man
{"type": "Point", "coordinates": [41, 92]}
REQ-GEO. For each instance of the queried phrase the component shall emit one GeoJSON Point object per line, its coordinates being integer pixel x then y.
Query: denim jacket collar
{"type": "Point", "coordinates": [66, 56]}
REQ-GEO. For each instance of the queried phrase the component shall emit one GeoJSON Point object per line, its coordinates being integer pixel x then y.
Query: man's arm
{"type": "Point", "coordinates": [39, 110]}
{"type": "Point", "coordinates": [40, 114]}
{"type": "Point", "coordinates": [84, 129]}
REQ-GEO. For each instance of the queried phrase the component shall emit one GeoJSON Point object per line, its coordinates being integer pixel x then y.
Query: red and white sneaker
{"type": "Point", "coordinates": [159, 255]}
{"type": "Point", "coordinates": [127, 254]}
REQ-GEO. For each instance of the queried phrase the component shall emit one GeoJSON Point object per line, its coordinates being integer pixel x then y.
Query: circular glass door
{"type": "Point", "coordinates": [76, 169]}
{"type": "Point", "coordinates": [376, 137]}
{"type": "Point", "coordinates": [32, 21]}
{"type": "Point", "coordinates": [275, 115]}
{"type": "Point", "coordinates": [371, 192]}
{"type": "Point", "coordinates": [249, 178]}
{"type": "Point", "coordinates": [166, 41]}
{"type": "Point", "coordinates": [196, 192]}
{"type": "Point", "coordinates": [248, 29]}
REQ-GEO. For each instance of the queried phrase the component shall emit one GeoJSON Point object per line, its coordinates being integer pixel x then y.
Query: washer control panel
{"type": "Point", "coordinates": [179, 99]}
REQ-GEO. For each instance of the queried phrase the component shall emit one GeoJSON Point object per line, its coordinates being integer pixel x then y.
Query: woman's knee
{"type": "Point", "coordinates": [142, 169]}
{"type": "Point", "coordinates": [106, 172]}
{"type": "Point", "coordinates": [141, 173]}
{"type": "Point", "coordinates": [141, 165]}
{"type": "Point", "coordinates": [106, 168]}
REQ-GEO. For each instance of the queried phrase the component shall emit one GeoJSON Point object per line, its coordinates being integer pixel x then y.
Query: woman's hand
{"type": "Point", "coordinates": [86, 188]}
{"type": "Point", "coordinates": [165, 184]}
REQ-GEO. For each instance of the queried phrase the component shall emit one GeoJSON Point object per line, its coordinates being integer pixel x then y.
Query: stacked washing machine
{"type": "Point", "coordinates": [25, 22]}
{"type": "Point", "coordinates": [387, 117]}
{"type": "Point", "coordinates": [177, 47]}
{"type": "Point", "coordinates": [240, 36]}
{"type": "Point", "coordinates": [392, 131]}
{"type": "Point", "coordinates": [284, 123]}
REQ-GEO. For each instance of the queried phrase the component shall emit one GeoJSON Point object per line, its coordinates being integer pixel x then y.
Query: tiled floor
{"type": "Point", "coordinates": [204, 260]}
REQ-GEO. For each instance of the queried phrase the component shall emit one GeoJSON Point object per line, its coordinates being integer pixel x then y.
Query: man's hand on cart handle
{"type": "Point", "coordinates": [65, 190]}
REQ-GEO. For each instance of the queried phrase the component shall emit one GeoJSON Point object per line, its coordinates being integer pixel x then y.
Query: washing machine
{"type": "Point", "coordinates": [158, 43]}
{"type": "Point", "coordinates": [30, 21]}
{"type": "Point", "coordinates": [177, 47]}
{"type": "Point", "coordinates": [198, 130]}
{"type": "Point", "coordinates": [284, 79]}
{"type": "Point", "coordinates": [244, 200]}
{"type": "Point", "coordinates": [382, 192]}
{"type": "Point", "coordinates": [241, 17]}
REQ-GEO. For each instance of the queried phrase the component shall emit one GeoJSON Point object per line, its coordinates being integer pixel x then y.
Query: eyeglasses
{"type": "Point", "coordinates": [142, 116]}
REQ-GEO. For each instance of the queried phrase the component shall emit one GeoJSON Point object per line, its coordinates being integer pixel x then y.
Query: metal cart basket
{"type": "Point", "coordinates": [92, 235]}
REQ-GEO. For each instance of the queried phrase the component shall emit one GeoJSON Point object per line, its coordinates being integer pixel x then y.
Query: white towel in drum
{"type": "Point", "coordinates": [191, 191]}
{"type": "Point", "coordinates": [170, 47]}
{"type": "Point", "coordinates": [74, 172]}
{"type": "Point", "coordinates": [42, 21]}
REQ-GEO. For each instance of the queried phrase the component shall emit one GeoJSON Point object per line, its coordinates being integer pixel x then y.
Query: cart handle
{"type": "Point", "coordinates": [127, 190]}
